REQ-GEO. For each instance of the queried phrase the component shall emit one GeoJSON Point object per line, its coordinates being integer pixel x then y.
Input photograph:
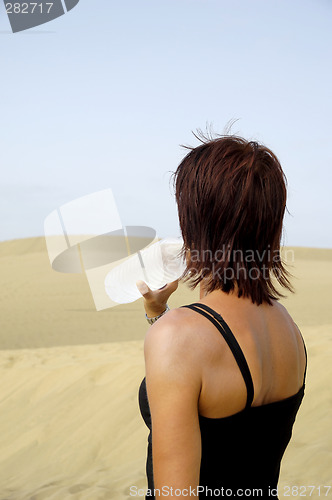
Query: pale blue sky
{"type": "Point", "coordinates": [103, 97]}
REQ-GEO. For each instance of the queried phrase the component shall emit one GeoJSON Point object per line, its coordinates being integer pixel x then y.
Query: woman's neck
{"type": "Point", "coordinates": [203, 293]}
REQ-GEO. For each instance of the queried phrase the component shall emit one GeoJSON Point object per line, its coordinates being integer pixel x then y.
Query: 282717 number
{"type": "Point", "coordinates": [28, 8]}
{"type": "Point", "coordinates": [303, 491]}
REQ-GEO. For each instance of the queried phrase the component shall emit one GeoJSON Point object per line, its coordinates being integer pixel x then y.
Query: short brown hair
{"type": "Point", "coordinates": [231, 196]}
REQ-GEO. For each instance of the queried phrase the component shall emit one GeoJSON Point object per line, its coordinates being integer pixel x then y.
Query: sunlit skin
{"type": "Point", "coordinates": [190, 371]}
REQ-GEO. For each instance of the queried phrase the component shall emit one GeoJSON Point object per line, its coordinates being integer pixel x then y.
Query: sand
{"type": "Point", "coordinates": [69, 417]}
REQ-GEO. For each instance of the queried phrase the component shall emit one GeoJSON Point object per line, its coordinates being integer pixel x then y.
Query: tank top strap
{"type": "Point", "coordinates": [233, 344]}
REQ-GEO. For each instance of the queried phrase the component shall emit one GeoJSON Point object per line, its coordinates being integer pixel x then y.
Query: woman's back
{"type": "Point", "coordinates": [272, 346]}
{"type": "Point", "coordinates": [252, 388]}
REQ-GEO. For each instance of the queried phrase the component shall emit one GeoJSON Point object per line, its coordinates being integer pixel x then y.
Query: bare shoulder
{"type": "Point", "coordinates": [285, 315]}
{"type": "Point", "coordinates": [172, 342]}
{"type": "Point", "coordinates": [292, 327]}
{"type": "Point", "coordinates": [174, 329]}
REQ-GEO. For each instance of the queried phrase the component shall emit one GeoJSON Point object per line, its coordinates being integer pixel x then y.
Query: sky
{"type": "Point", "coordinates": [104, 96]}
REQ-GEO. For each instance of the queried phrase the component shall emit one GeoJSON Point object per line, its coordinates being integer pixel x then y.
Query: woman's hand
{"type": "Point", "coordinates": [155, 301]}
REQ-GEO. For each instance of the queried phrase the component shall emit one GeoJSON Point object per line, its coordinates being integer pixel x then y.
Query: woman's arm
{"type": "Point", "coordinates": [173, 382]}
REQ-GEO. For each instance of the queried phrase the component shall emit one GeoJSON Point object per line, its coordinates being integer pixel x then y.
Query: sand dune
{"type": "Point", "coordinates": [69, 419]}
{"type": "Point", "coordinates": [69, 422]}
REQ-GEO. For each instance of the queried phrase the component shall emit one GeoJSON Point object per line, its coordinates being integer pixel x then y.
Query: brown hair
{"type": "Point", "coordinates": [231, 197]}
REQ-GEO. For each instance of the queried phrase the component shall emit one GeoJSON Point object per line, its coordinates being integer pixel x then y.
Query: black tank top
{"type": "Point", "coordinates": [242, 451]}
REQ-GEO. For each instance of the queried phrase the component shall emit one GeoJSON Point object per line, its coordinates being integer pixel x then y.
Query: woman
{"type": "Point", "coordinates": [225, 377]}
